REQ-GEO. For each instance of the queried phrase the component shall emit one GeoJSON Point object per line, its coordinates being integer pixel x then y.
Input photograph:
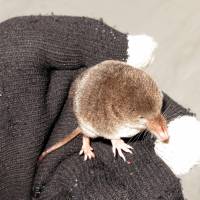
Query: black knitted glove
{"type": "Point", "coordinates": [64, 175]}
{"type": "Point", "coordinates": [39, 58]}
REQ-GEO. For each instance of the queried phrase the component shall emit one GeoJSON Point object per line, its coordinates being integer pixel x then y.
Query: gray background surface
{"type": "Point", "coordinates": [175, 25]}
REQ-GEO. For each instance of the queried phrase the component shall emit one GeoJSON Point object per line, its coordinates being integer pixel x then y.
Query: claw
{"type": "Point", "coordinates": [119, 145]}
{"type": "Point", "coordinates": [121, 155]}
{"type": "Point", "coordinates": [114, 151]}
{"type": "Point", "coordinates": [81, 152]}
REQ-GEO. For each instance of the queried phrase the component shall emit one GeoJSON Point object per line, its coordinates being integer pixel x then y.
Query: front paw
{"type": "Point", "coordinates": [119, 145]}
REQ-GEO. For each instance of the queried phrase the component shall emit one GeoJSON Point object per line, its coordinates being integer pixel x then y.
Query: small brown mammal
{"type": "Point", "coordinates": [114, 100]}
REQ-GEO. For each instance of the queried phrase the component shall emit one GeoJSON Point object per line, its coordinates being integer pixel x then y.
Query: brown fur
{"type": "Point", "coordinates": [113, 92]}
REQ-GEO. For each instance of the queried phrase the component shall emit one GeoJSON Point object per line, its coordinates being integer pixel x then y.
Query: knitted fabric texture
{"type": "Point", "coordinates": [39, 58]}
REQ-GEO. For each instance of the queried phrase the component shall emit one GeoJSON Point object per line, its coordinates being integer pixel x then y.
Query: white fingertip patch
{"type": "Point", "coordinates": [140, 50]}
{"type": "Point", "coordinates": [182, 152]}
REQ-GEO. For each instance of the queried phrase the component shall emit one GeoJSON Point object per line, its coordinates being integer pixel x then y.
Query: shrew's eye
{"type": "Point", "coordinates": [141, 117]}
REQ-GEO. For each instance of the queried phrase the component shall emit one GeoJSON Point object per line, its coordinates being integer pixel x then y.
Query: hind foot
{"type": "Point", "coordinates": [87, 149]}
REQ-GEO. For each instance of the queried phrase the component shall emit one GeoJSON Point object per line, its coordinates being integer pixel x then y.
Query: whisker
{"type": "Point", "coordinates": [166, 109]}
{"type": "Point", "coordinates": [174, 113]}
{"type": "Point", "coordinates": [134, 138]}
{"type": "Point", "coordinates": [145, 134]}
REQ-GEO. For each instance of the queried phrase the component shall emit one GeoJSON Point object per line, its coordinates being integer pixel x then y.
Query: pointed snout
{"type": "Point", "coordinates": [162, 136]}
{"type": "Point", "coordinates": [158, 127]}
